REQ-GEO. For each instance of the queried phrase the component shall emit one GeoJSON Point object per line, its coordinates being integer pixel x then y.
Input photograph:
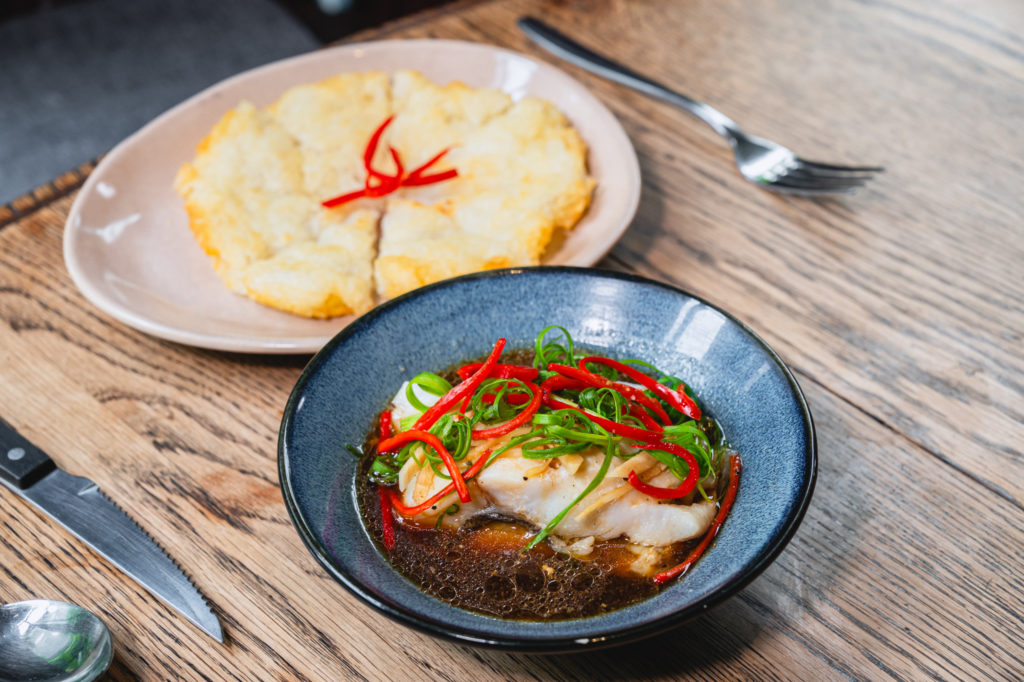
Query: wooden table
{"type": "Point", "coordinates": [900, 309]}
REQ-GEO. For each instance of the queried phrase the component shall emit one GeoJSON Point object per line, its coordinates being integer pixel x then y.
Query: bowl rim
{"type": "Point", "coordinates": [594, 639]}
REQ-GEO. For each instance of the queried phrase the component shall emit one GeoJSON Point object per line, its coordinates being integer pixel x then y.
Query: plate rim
{"type": "Point", "coordinates": [301, 344]}
{"type": "Point", "coordinates": [562, 644]}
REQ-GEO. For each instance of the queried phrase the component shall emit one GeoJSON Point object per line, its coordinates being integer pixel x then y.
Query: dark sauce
{"type": "Point", "coordinates": [481, 566]}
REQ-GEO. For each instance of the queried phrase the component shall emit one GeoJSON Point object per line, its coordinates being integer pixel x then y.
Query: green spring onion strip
{"type": "Point", "coordinates": [500, 410]}
{"type": "Point", "coordinates": [381, 469]}
{"type": "Point", "coordinates": [553, 351]}
{"type": "Point", "coordinates": [609, 453]}
{"type": "Point", "coordinates": [430, 383]}
{"type": "Point", "coordinates": [689, 435]}
{"type": "Point", "coordinates": [456, 434]}
{"type": "Point", "coordinates": [604, 402]}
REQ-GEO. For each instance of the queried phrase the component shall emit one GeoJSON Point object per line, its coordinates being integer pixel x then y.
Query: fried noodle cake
{"type": "Point", "coordinates": [254, 190]}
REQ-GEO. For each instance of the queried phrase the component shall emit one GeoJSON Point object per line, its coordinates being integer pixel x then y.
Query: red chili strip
{"type": "Point", "coordinates": [511, 398]}
{"type": "Point", "coordinates": [525, 415]}
{"type": "Point", "coordinates": [386, 184]}
{"type": "Point", "coordinates": [645, 417]}
{"type": "Point", "coordinates": [430, 179]}
{"type": "Point", "coordinates": [598, 381]}
{"type": "Point", "coordinates": [634, 432]}
{"type": "Point", "coordinates": [683, 489]}
{"type": "Point", "coordinates": [521, 372]}
{"type": "Point", "coordinates": [434, 442]}
{"type": "Point", "coordinates": [371, 151]}
{"type": "Point", "coordinates": [396, 499]}
{"type": "Point", "coordinates": [387, 521]}
{"type": "Point", "coordinates": [675, 398]}
{"type": "Point", "coordinates": [462, 391]}
{"type": "Point", "coordinates": [344, 198]}
{"type": "Point", "coordinates": [416, 174]}
{"type": "Point", "coordinates": [557, 382]}
{"type": "Point", "coordinates": [385, 425]}
{"type": "Point", "coordinates": [716, 525]}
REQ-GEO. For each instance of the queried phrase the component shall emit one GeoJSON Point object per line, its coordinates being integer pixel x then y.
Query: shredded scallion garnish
{"type": "Point", "coordinates": [570, 404]}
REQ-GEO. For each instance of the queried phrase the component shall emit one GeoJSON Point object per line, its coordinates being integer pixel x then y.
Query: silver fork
{"type": "Point", "coordinates": [763, 162]}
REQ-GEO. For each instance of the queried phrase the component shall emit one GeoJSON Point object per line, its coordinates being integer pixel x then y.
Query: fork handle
{"type": "Point", "coordinates": [561, 45]}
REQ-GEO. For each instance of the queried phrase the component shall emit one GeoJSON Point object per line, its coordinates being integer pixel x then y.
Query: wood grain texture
{"type": "Point", "coordinates": [901, 310]}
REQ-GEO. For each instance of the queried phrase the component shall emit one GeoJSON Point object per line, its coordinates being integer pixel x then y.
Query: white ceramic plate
{"type": "Point", "coordinates": [129, 249]}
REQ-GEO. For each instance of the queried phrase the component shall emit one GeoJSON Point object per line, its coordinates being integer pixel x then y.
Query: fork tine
{"type": "Point", "coordinates": [805, 177]}
{"type": "Point", "coordinates": [821, 182]}
{"type": "Point", "coordinates": [808, 187]}
{"type": "Point", "coordinates": [782, 189]}
{"type": "Point", "coordinates": [825, 168]}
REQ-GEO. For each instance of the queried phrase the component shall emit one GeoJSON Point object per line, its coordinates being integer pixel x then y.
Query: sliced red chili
{"type": "Point", "coordinates": [716, 525]}
{"type": "Point", "coordinates": [344, 198]}
{"type": "Point", "coordinates": [462, 391]}
{"type": "Point", "coordinates": [511, 398]}
{"type": "Point", "coordinates": [434, 442]}
{"type": "Point", "coordinates": [598, 381]}
{"type": "Point", "coordinates": [416, 174]}
{"type": "Point", "coordinates": [645, 417]}
{"type": "Point", "coordinates": [371, 149]}
{"type": "Point", "coordinates": [557, 382]}
{"type": "Point", "coordinates": [634, 432]}
{"type": "Point", "coordinates": [387, 522]}
{"type": "Point", "coordinates": [430, 179]}
{"type": "Point", "coordinates": [379, 184]}
{"type": "Point", "coordinates": [388, 183]}
{"type": "Point", "coordinates": [683, 489]}
{"type": "Point", "coordinates": [525, 415]}
{"type": "Point", "coordinates": [676, 398]}
{"type": "Point", "coordinates": [396, 499]}
{"type": "Point", "coordinates": [385, 425]}
{"type": "Point", "coordinates": [500, 371]}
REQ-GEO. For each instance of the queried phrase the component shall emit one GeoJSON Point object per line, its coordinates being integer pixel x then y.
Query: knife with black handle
{"type": "Point", "coordinates": [77, 504]}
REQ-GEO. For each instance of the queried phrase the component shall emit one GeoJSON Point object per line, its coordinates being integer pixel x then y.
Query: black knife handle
{"type": "Point", "coordinates": [21, 463]}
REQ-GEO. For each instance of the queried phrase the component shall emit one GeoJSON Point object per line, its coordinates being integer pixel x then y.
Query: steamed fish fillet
{"type": "Point", "coordinates": [512, 487]}
{"type": "Point", "coordinates": [538, 490]}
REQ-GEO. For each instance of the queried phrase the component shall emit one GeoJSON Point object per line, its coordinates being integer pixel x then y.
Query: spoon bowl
{"type": "Point", "coordinates": [52, 641]}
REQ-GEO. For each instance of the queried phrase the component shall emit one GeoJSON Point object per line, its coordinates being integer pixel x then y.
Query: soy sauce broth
{"type": "Point", "coordinates": [482, 568]}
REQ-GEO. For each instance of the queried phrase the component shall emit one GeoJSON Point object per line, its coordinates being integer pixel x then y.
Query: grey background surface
{"type": "Point", "coordinates": [77, 78]}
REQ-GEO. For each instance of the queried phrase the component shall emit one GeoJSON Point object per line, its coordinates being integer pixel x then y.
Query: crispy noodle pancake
{"type": "Point", "coordinates": [253, 192]}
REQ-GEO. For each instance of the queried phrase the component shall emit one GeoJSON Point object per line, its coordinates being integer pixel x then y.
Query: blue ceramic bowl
{"type": "Point", "coordinates": [739, 379]}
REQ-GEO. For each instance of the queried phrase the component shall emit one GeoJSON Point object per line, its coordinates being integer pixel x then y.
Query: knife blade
{"type": "Point", "coordinates": [78, 504]}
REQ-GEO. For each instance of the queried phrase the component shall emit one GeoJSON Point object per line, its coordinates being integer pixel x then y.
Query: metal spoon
{"type": "Point", "coordinates": [52, 641]}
